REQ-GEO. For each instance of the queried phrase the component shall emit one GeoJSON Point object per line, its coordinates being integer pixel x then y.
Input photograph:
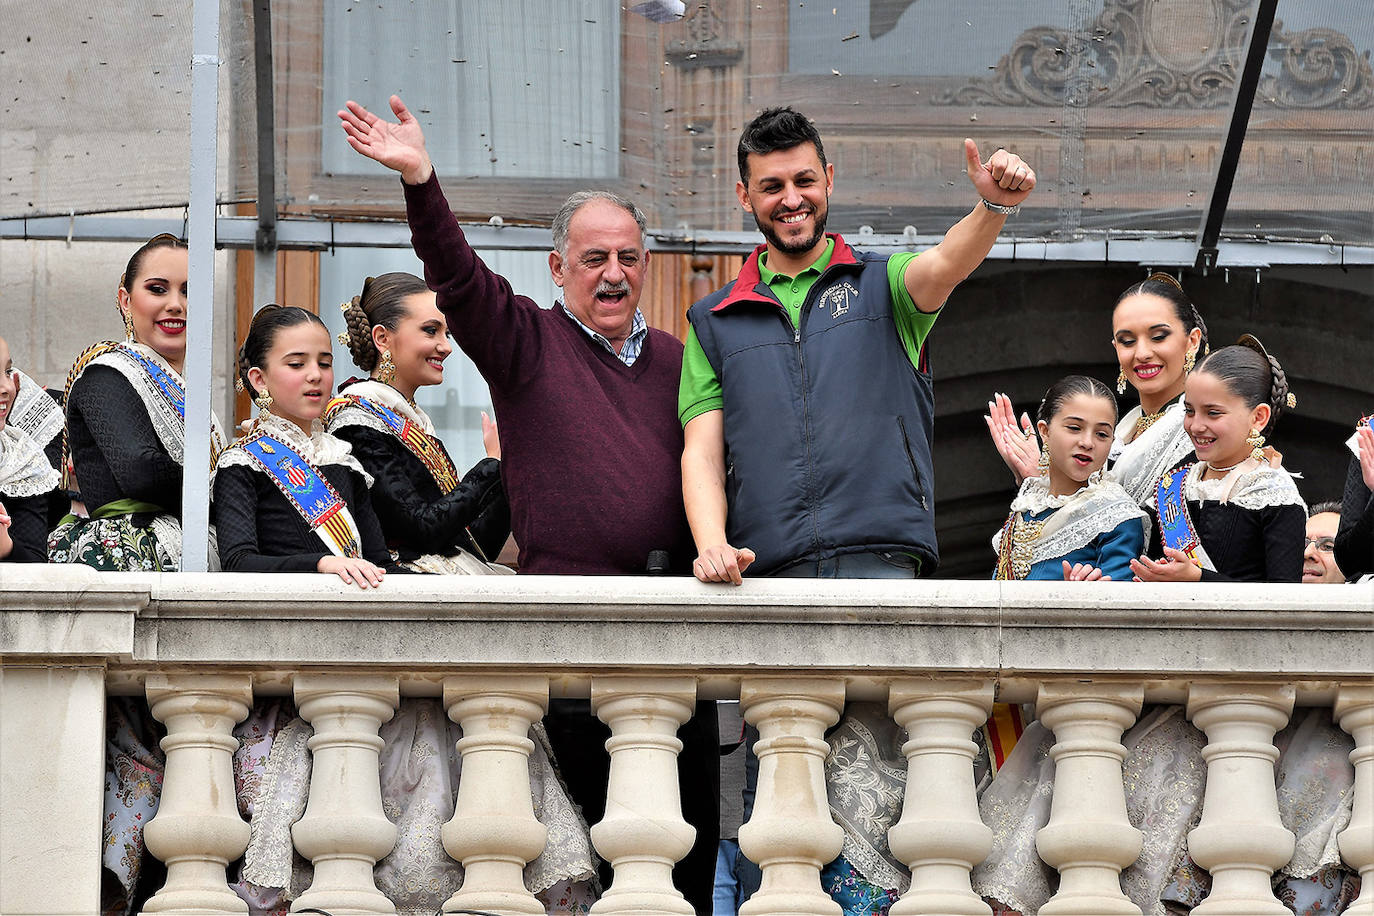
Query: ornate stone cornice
{"type": "Point", "coordinates": [1171, 54]}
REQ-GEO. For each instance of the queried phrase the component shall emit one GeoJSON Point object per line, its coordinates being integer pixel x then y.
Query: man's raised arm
{"type": "Point", "coordinates": [494, 327]}
{"type": "Point", "coordinates": [1004, 181]}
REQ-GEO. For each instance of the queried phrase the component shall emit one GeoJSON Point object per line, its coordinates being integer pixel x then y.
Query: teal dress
{"type": "Point", "coordinates": [1100, 525]}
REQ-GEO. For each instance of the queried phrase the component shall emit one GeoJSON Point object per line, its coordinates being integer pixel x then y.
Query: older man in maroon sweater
{"type": "Point", "coordinates": [586, 397]}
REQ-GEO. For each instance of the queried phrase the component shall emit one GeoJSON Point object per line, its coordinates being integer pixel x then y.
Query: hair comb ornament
{"type": "Point", "coordinates": [1162, 277]}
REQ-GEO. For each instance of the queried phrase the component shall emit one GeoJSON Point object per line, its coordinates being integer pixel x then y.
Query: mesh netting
{"type": "Point", "coordinates": [1121, 105]}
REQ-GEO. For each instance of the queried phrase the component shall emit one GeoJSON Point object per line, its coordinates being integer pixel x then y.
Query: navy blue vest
{"type": "Point", "coordinates": [827, 425]}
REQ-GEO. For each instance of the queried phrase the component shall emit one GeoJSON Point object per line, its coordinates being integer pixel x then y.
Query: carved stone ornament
{"type": "Point", "coordinates": [1172, 54]}
{"type": "Point", "coordinates": [704, 46]}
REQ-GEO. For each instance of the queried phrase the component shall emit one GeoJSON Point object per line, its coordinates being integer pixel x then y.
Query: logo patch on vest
{"type": "Point", "coordinates": [836, 299]}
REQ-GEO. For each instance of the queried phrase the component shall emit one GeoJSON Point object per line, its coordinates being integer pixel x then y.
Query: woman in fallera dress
{"type": "Point", "coordinates": [433, 520]}
{"type": "Point", "coordinates": [126, 425]}
{"type": "Point", "coordinates": [27, 480]}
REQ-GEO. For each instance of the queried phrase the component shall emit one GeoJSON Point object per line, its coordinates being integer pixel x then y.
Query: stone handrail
{"type": "Point", "coordinates": [200, 647]}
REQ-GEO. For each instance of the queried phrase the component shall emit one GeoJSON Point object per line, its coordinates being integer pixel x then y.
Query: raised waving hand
{"type": "Point", "coordinates": [398, 144]}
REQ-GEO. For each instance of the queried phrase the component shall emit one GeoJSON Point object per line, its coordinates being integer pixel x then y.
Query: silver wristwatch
{"type": "Point", "coordinates": [999, 208]}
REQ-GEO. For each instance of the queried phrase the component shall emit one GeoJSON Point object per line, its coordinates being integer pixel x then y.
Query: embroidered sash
{"type": "Point", "coordinates": [417, 441]}
{"type": "Point", "coordinates": [170, 390]}
{"type": "Point", "coordinates": [313, 496]}
{"type": "Point", "coordinates": [1175, 525]}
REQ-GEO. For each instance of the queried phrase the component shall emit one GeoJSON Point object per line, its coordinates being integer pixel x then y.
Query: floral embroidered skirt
{"type": "Point", "coordinates": [117, 543]}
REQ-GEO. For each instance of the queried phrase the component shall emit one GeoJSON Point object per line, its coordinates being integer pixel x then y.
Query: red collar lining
{"type": "Point", "coordinates": [749, 275]}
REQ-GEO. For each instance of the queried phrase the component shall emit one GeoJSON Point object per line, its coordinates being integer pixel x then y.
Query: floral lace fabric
{"type": "Point", "coordinates": [1165, 778]}
{"type": "Point", "coordinates": [24, 469]}
{"type": "Point", "coordinates": [420, 769]}
{"type": "Point", "coordinates": [1138, 464]}
{"type": "Point", "coordinates": [35, 413]}
{"type": "Point", "coordinates": [1254, 488]}
{"type": "Point", "coordinates": [865, 775]}
{"type": "Point", "coordinates": [319, 448]}
{"type": "Point", "coordinates": [1078, 518]}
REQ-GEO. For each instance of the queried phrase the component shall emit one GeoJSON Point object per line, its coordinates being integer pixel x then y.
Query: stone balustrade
{"type": "Point", "coordinates": [201, 648]}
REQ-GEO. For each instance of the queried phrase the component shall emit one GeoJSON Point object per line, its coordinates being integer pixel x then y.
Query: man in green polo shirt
{"type": "Point", "coordinates": [796, 368]}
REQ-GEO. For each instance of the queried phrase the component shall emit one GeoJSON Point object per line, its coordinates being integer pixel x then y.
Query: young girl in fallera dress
{"type": "Point", "coordinates": [262, 489]}
{"type": "Point", "coordinates": [1070, 521]}
{"type": "Point", "coordinates": [1249, 523]}
{"type": "Point", "coordinates": [433, 521]}
{"type": "Point", "coordinates": [1158, 336]}
{"type": "Point", "coordinates": [289, 497]}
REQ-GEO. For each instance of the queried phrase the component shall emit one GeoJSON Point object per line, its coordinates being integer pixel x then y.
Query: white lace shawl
{"type": "Point", "coordinates": [167, 423]}
{"type": "Point", "coordinates": [1137, 465]}
{"type": "Point", "coordinates": [1249, 488]}
{"type": "Point", "coordinates": [1078, 517]}
{"type": "Point", "coordinates": [35, 413]}
{"type": "Point", "coordinates": [319, 448]}
{"type": "Point", "coordinates": [387, 397]}
{"type": "Point", "coordinates": [24, 469]}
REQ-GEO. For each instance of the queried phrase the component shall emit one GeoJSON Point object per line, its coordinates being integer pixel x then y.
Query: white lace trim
{"type": "Point", "coordinates": [392, 399]}
{"type": "Point", "coordinates": [1078, 518]}
{"type": "Point", "coordinates": [35, 413]}
{"type": "Point", "coordinates": [1138, 465]}
{"type": "Point", "coordinates": [24, 469]}
{"type": "Point", "coordinates": [319, 448]}
{"type": "Point", "coordinates": [1249, 488]}
{"type": "Point", "coordinates": [167, 423]}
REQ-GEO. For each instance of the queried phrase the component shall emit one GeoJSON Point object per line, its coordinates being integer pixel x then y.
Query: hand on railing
{"type": "Point", "coordinates": [353, 570]}
{"type": "Point", "coordinates": [723, 563]}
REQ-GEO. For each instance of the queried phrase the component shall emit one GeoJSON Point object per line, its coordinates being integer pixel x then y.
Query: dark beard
{"type": "Point", "coordinates": [800, 247]}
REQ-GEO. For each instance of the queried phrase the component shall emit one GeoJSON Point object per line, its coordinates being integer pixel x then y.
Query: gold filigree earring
{"type": "Point", "coordinates": [1044, 466]}
{"type": "Point", "coordinates": [1256, 443]}
{"type": "Point", "coordinates": [1189, 361]}
{"type": "Point", "coordinates": [1121, 382]}
{"type": "Point", "coordinates": [264, 401]}
{"type": "Point", "coordinates": [386, 369]}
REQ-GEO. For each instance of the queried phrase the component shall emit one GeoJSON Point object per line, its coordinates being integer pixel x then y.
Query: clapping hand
{"type": "Point", "coordinates": [1175, 567]}
{"type": "Point", "coordinates": [1015, 443]}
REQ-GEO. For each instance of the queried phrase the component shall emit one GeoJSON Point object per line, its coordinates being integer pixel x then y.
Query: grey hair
{"type": "Point", "coordinates": [563, 218]}
{"type": "Point", "coordinates": [1321, 508]}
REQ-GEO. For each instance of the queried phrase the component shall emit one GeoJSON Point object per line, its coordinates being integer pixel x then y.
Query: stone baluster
{"type": "Point", "coordinates": [643, 833]}
{"type": "Point", "coordinates": [197, 830]}
{"type": "Point", "coordinates": [1089, 838]}
{"type": "Point", "coordinates": [939, 835]}
{"type": "Point", "coordinates": [1354, 710]}
{"type": "Point", "coordinates": [344, 830]}
{"type": "Point", "coordinates": [493, 831]}
{"type": "Point", "coordinates": [791, 834]}
{"type": "Point", "coordinates": [1240, 838]}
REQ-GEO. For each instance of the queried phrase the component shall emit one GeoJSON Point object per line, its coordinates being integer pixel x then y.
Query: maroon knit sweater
{"type": "Point", "coordinates": [591, 449]}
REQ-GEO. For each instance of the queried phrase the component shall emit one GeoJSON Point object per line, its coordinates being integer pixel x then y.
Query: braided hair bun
{"type": "Point", "coordinates": [1252, 374]}
{"type": "Point", "coordinates": [382, 302]}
